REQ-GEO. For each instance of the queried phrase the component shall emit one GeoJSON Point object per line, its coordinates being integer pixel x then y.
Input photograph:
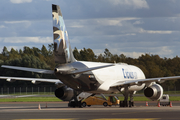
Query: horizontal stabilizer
{"type": "Point", "coordinates": [29, 69]}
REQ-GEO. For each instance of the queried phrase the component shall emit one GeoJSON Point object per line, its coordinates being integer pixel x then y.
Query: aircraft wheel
{"type": "Point", "coordinates": [105, 104]}
{"type": "Point", "coordinates": [121, 104]}
{"type": "Point", "coordinates": [84, 104]}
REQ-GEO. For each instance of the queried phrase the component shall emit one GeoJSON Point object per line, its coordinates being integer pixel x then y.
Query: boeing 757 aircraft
{"type": "Point", "coordinates": [76, 80]}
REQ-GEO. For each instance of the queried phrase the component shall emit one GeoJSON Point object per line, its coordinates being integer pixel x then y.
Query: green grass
{"type": "Point", "coordinates": [31, 99]}
{"type": "Point", "coordinates": [54, 99]}
{"type": "Point", "coordinates": [30, 93]}
{"type": "Point", "coordinates": [171, 92]}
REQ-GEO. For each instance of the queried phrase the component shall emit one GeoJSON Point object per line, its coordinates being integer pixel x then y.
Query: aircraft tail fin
{"type": "Point", "coordinates": [62, 49]}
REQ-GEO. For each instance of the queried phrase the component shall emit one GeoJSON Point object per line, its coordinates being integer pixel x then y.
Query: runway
{"type": "Point", "coordinates": [60, 111]}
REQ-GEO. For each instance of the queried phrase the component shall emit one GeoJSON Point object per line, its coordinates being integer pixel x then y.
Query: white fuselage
{"type": "Point", "coordinates": [118, 72]}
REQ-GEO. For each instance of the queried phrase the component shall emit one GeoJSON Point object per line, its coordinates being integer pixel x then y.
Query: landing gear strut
{"type": "Point", "coordinates": [131, 102]}
{"type": "Point", "coordinates": [125, 102]}
{"type": "Point", "coordinates": [74, 101]}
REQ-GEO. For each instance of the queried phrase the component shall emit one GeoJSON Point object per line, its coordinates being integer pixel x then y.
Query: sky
{"type": "Point", "coordinates": [129, 27]}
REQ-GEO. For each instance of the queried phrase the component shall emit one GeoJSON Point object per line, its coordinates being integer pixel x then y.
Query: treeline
{"type": "Point", "coordinates": [28, 57]}
{"type": "Point", "coordinates": [152, 65]}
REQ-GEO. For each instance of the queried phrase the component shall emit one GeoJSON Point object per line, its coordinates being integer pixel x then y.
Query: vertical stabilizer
{"type": "Point", "coordinates": [62, 49]}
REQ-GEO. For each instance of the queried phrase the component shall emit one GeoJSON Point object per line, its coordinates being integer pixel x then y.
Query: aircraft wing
{"type": "Point", "coordinates": [88, 69]}
{"type": "Point", "coordinates": [33, 80]}
{"type": "Point", "coordinates": [29, 69]}
{"type": "Point", "coordinates": [141, 81]}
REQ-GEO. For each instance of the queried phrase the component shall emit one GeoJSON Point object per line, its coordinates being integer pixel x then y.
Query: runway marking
{"type": "Point", "coordinates": [99, 119]}
{"type": "Point", "coordinates": [43, 119]}
{"type": "Point", "coordinates": [127, 119]}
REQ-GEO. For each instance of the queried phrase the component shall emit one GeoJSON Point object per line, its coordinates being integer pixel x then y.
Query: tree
{"type": "Point", "coordinates": [36, 51]}
{"type": "Point", "coordinates": [122, 58]}
{"type": "Point", "coordinates": [100, 58]}
{"type": "Point", "coordinates": [20, 52]}
{"type": "Point", "coordinates": [28, 51]}
{"type": "Point", "coordinates": [1, 62]}
{"type": "Point", "coordinates": [83, 54]}
{"type": "Point", "coordinates": [50, 49]}
{"type": "Point", "coordinates": [76, 54]}
{"type": "Point", "coordinates": [107, 55]}
{"type": "Point", "coordinates": [13, 54]}
{"type": "Point", "coordinates": [44, 51]}
{"type": "Point", "coordinates": [90, 55]}
{"type": "Point", "coordinates": [5, 51]}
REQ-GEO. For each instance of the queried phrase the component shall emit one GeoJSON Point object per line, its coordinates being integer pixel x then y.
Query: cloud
{"type": "Point", "coordinates": [136, 4]}
{"type": "Point", "coordinates": [20, 1]}
{"type": "Point", "coordinates": [77, 26]}
{"type": "Point", "coordinates": [2, 26]}
{"type": "Point", "coordinates": [163, 51]}
{"type": "Point", "coordinates": [26, 40]}
{"type": "Point", "coordinates": [119, 52]}
{"type": "Point", "coordinates": [16, 22]}
{"type": "Point", "coordinates": [14, 47]}
{"type": "Point", "coordinates": [133, 54]}
{"type": "Point", "coordinates": [138, 22]}
{"type": "Point", "coordinates": [131, 27]}
{"type": "Point", "coordinates": [155, 32]}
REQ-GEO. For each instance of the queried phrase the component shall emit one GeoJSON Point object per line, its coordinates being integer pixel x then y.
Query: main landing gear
{"type": "Point", "coordinates": [78, 97]}
{"type": "Point", "coordinates": [74, 104]}
{"type": "Point", "coordinates": [125, 102]}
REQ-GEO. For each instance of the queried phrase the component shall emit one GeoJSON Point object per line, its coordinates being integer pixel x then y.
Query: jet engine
{"type": "Point", "coordinates": [154, 92]}
{"type": "Point", "coordinates": [64, 93]}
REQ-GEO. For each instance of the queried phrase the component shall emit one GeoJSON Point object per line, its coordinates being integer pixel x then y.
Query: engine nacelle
{"type": "Point", "coordinates": [154, 92]}
{"type": "Point", "coordinates": [64, 93]}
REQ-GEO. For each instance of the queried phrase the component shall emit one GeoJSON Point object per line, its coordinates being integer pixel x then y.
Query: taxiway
{"type": "Point", "coordinates": [60, 111]}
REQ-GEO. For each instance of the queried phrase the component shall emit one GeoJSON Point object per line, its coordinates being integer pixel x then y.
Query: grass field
{"type": "Point", "coordinates": [54, 99]}
{"type": "Point", "coordinates": [31, 99]}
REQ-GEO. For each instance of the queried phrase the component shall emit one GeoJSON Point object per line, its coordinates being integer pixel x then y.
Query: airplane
{"type": "Point", "coordinates": [77, 80]}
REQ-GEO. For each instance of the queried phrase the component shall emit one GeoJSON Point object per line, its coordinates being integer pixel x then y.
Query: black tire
{"type": "Point", "coordinates": [72, 104]}
{"type": "Point", "coordinates": [105, 104]}
{"type": "Point", "coordinates": [84, 104]}
{"type": "Point", "coordinates": [89, 105]}
{"type": "Point", "coordinates": [130, 104]}
{"type": "Point", "coordinates": [121, 104]}
{"type": "Point", "coordinates": [125, 104]}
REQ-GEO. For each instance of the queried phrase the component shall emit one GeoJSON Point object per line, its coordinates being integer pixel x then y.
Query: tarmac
{"type": "Point", "coordinates": [60, 111]}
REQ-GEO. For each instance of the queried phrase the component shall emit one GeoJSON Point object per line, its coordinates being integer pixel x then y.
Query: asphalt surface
{"type": "Point", "coordinates": [60, 111]}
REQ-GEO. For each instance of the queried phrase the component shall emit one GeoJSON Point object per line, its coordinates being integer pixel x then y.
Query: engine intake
{"type": "Point", "coordinates": [154, 92]}
{"type": "Point", "coordinates": [64, 93]}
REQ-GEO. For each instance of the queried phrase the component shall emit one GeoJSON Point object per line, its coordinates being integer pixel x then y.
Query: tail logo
{"type": "Point", "coordinates": [61, 40]}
